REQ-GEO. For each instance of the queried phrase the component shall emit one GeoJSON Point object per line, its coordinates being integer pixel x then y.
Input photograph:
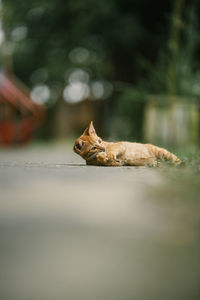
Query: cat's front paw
{"type": "Point", "coordinates": [102, 158]}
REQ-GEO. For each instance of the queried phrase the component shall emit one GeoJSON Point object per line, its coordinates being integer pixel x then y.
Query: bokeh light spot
{"type": "Point", "coordinates": [76, 92]}
{"type": "Point", "coordinates": [40, 94]}
{"type": "Point", "coordinates": [79, 55]}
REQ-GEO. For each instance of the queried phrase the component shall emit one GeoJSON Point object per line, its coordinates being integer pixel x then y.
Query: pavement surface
{"type": "Point", "coordinates": [71, 231]}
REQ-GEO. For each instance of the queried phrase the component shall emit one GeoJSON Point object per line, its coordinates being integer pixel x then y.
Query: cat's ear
{"type": "Point", "coordinates": [90, 129]}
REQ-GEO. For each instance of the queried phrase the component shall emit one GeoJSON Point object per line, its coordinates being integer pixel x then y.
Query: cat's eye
{"type": "Point", "coordinates": [94, 148]}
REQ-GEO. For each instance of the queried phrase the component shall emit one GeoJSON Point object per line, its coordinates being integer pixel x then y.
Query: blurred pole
{"type": "Point", "coordinates": [173, 46]}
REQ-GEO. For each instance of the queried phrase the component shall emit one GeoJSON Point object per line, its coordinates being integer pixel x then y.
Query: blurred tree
{"type": "Point", "coordinates": [115, 33]}
{"type": "Point", "coordinates": [109, 40]}
{"type": "Point", "coordinates": [175, 72]}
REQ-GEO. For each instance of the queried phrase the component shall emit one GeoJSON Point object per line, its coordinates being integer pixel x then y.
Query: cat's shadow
{"type": "Point", "coordinates": [74, 165]}
{"type": "Point", "coordinates": [83, 165]}
{"type": "Point", "coordinates": [79, 165]}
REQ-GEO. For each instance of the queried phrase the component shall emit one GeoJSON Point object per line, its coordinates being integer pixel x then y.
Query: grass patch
{"type": "Point", "coordinates": [184, 180]}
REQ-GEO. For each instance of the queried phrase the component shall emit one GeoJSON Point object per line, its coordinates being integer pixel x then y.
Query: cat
{"type": "Point", "coordinates": [97, 152]}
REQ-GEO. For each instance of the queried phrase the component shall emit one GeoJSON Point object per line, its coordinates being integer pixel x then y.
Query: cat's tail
{"type": "Point", "coordinates": [163, 154]}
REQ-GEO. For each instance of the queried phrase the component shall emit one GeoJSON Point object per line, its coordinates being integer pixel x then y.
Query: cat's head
{"type": "Point", "coordinates": [89, 143]}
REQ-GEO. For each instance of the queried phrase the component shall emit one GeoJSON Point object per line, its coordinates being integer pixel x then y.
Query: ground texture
{"type": "Point", "coordinates": [70, 231]}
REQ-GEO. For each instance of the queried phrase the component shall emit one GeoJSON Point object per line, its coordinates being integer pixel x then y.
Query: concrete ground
{"type": "Point", "coordinates": [71, 231]}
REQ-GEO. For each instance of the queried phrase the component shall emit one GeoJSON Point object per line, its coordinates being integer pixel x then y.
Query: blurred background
{"type": "Point", "coordinates": [133, 68]}
{"type": "Point", "coordinates": [74, 232]}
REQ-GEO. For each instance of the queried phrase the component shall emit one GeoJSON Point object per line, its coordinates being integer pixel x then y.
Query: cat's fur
{"type": "Point", "coordinates": [97, 152]}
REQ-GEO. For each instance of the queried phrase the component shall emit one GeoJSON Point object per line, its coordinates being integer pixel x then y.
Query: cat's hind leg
{"type": "Point", "coordinates": [152, 162]}
{"type": "Point", "coordinates": [142, 161]}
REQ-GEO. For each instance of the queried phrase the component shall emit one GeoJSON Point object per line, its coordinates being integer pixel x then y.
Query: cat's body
{"type": "Point", "coordinates": [97, 152]}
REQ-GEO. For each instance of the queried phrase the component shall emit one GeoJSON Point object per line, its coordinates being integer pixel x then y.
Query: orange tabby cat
{"type": "Point", "coordinates": [97, 152]}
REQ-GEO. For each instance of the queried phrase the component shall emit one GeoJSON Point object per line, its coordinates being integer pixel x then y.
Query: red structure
{"type": "Point", "coordinates": [19, 115]}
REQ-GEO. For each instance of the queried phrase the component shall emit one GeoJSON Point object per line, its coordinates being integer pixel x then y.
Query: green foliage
{"type": "Point", "coordinates": [177, 73]}
{"type": "Point", "coordinates": [122, 41]}
{"type": "Point", "coordinates": [186, 63]}
{"type": "Point", "coordinates": [114, 33]}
